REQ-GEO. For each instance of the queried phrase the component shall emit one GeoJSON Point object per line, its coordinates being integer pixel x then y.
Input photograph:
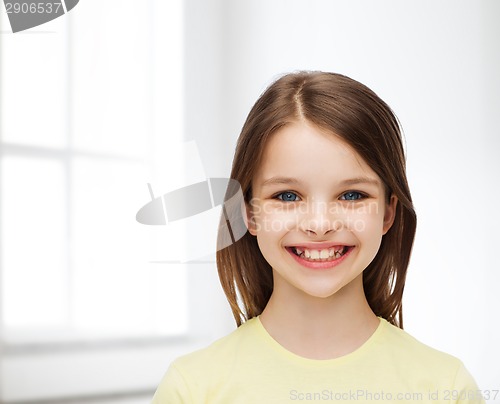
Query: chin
{"type": "Point", "coordinates": [321, 292]}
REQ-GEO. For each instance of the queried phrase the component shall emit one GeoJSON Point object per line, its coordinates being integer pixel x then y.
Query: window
{"type": "Point", "coordinates": [90, 103]}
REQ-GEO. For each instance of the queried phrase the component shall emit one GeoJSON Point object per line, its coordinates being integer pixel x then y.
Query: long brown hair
{"type": "Point", "coordinates": [352, 111]}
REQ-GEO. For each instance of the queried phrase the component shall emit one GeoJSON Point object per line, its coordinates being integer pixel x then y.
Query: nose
{"type": "Point", "coordinates": [319, 220]}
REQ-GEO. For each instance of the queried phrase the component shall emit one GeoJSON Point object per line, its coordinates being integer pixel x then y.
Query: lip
{"type": "Point", "coordinates": [319, 246]}
{"type": "Point", "coordinates": [319, 264]}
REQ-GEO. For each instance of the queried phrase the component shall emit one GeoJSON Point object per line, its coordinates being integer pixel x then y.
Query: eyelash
{"type": "Point", "coordinates": [279, 196]}
{"type": "Point", "coordinates": [361, 195]}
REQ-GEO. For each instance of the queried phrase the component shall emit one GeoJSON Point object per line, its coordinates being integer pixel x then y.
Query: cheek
{"type": "Point", "coordinates": [368, 229]}
{"type": "Point", "coordinates": [367, 218]}
{"type": "Point", "coordinates": [365, 224]}
{"type": "Point", "coordinates": [275, 221]}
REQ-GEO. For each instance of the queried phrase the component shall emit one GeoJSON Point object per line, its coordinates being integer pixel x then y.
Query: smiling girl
{"type": "Point", "coordinates": [316, 284]}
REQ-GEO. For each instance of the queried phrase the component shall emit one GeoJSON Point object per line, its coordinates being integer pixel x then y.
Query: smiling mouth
{"type": "Point", "coordinates": [323, 255]}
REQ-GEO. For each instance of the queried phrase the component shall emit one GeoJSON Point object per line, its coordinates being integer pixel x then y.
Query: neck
{"type": "Point", "coordinates": [320, 328]}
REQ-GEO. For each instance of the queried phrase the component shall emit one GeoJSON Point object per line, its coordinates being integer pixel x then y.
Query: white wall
{"type": "Point", "coordinates": [437, 65]}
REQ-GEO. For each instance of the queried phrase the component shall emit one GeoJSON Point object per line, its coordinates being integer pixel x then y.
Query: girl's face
{"type": "Point", "coordinates": [318, 211]}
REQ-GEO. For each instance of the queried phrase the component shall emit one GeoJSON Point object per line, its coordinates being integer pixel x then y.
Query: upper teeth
{"type": "Point", "coordinates": [320, 254]}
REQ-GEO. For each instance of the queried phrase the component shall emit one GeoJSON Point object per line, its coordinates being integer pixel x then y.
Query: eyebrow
{"type": "Point", "coordinates": [280, 180]}
{"type": "Point", "coordinates": [360, 180]}
{"type": "Point", "coordinates": [294, 181]}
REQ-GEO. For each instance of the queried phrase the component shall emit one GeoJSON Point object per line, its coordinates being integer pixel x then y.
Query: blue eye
{"type": "Point", "coordinates": [352, 196]}
{"type": "Point", "coordinates": [287, 197]}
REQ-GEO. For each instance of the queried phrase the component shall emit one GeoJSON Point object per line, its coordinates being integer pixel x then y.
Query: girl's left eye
{"type": "Point", "coordinates": [287, 196]}
{"type": "Point", "coordinates": [352, 196]}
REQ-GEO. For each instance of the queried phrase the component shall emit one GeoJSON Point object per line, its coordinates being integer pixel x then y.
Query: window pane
{"type": "Point", "coordinates": [34, 85]}
{"type": "Point", "coordinates": [169, 314]}
{"type": "Point", "coordinates": [115, 289]}
{"type": "Point", "coordinates": [111, 68]}
{"type": "Point", "coordinates": [34, 242]}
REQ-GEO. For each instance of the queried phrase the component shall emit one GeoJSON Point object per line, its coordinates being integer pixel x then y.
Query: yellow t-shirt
{"type": "Point", "coordinates": [249, 367]}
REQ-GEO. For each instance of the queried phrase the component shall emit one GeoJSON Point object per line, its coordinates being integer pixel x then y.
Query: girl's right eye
{"type": "Point", "coordinates": [287, 196]}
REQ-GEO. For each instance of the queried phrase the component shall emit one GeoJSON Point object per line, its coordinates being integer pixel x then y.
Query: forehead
{"type": "Point", "coordinates": [304, 151]}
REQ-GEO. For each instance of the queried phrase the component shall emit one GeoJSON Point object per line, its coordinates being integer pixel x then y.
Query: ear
{"type": "Point", "coordinates": [249, 218]}
{"type": "Point", "coordinates": [390, 213]}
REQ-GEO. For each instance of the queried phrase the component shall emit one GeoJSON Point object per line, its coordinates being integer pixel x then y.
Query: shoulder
{"type": "Point", "coordinates": [413, 357]}
{"type": "Point", "coordinates": [191, 377]}
{"type": "Point", "coordinates": [401, 343]}
{"type": "Point", "coordinates": [221, 350]}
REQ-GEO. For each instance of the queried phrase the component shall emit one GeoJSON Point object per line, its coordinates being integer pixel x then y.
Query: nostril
{"type": "Point", "coordinates": [319, 232]}
{"type": "Point", "coordinates": [320, 227]}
